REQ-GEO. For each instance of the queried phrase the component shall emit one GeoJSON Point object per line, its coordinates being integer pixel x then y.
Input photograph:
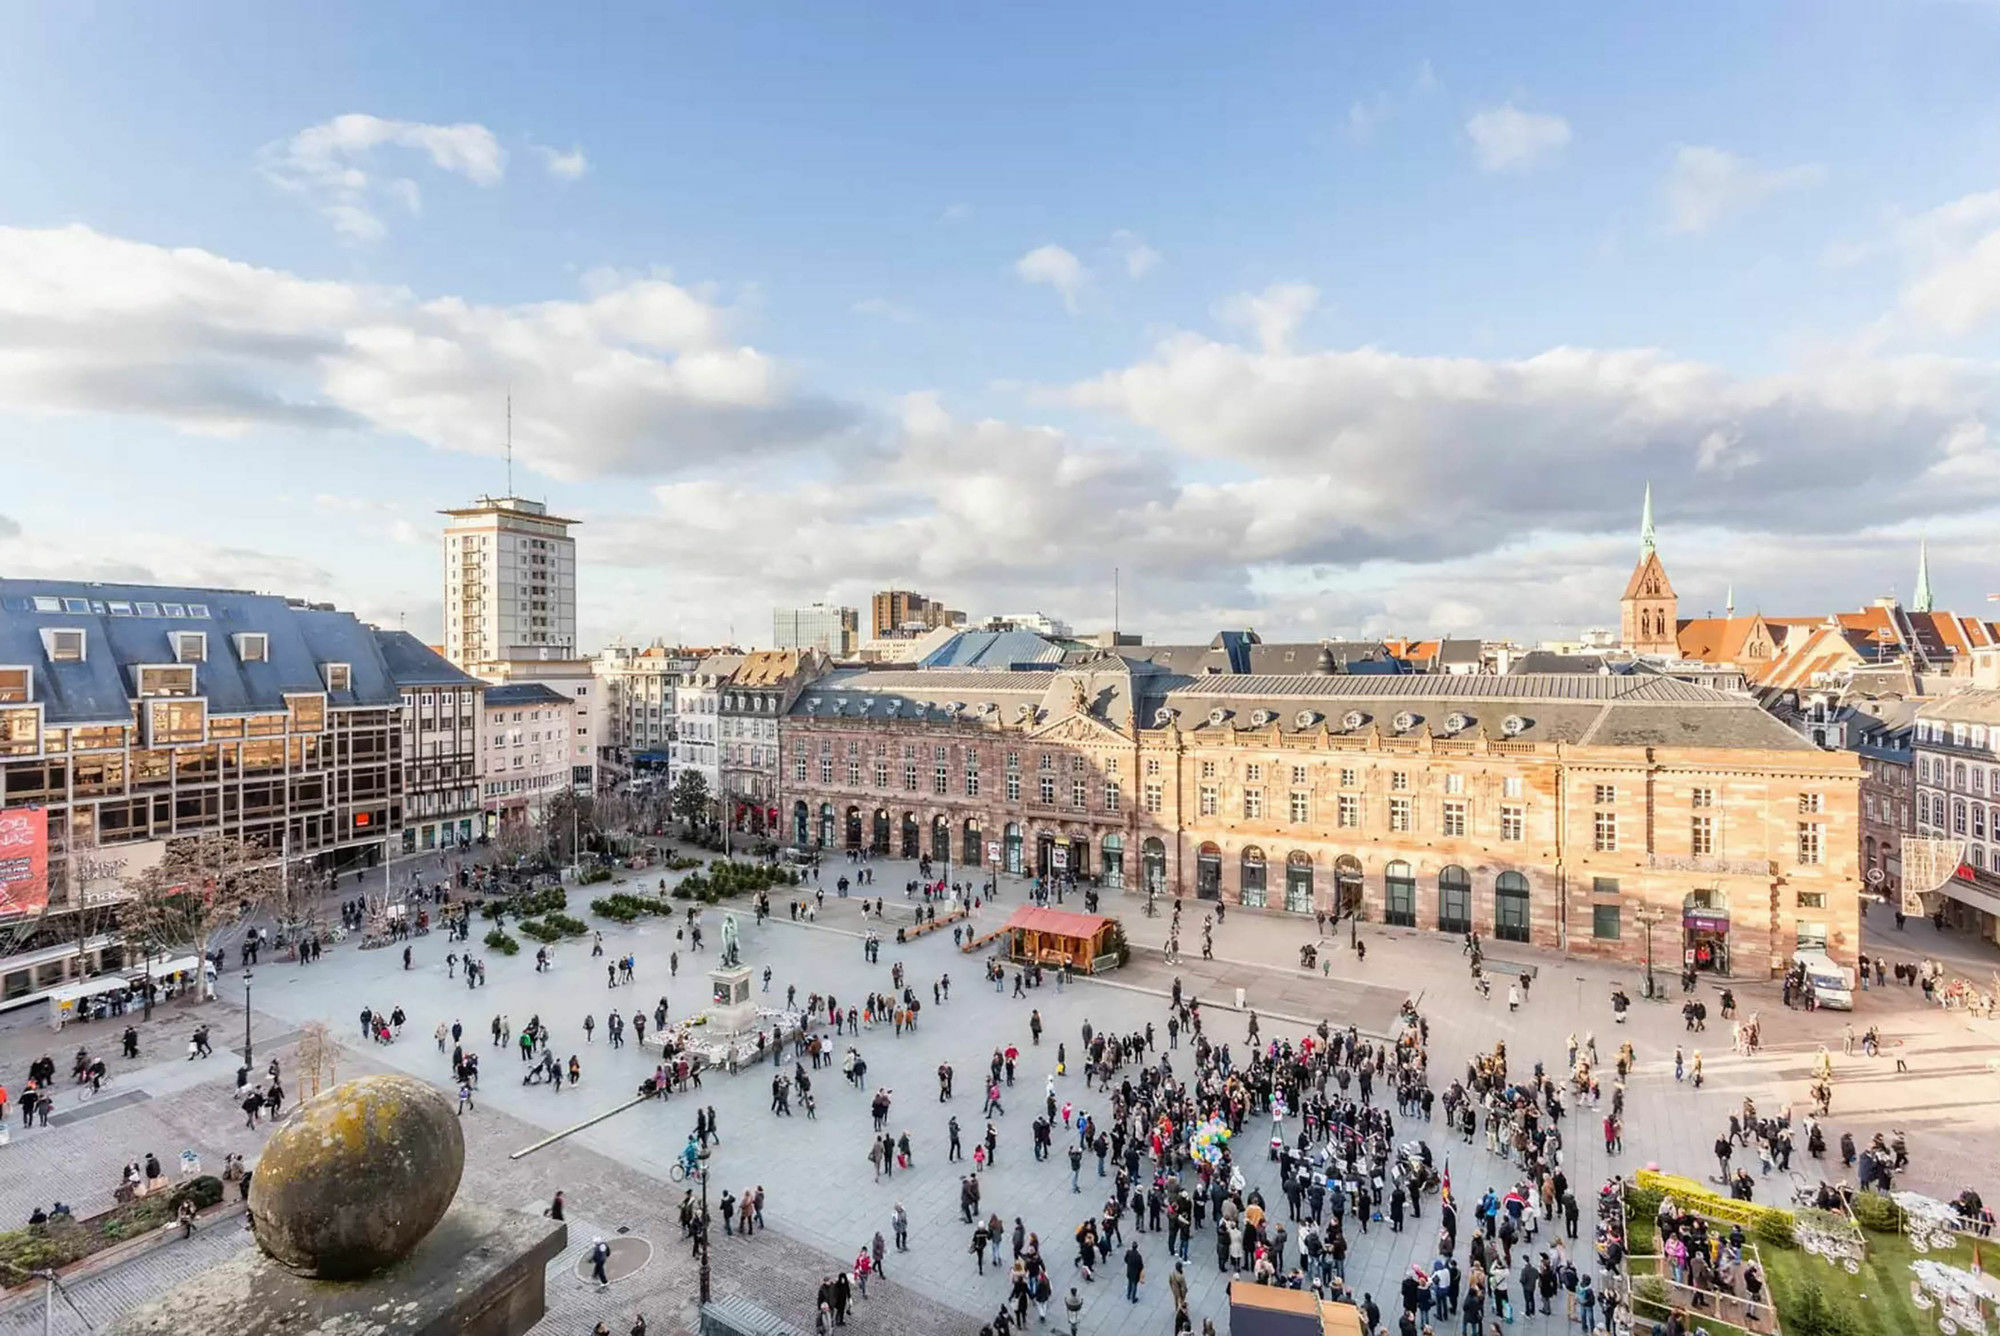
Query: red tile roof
{"type": "Point", "coordinates": [1058, 922]}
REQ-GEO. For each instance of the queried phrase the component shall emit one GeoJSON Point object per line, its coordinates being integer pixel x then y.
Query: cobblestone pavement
{"type": "Point", "coordinates": [823, 1201]}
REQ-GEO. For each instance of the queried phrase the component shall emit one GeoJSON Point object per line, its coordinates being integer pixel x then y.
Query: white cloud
{"type": "Point", "coordinates": [1505, 138]}
{"type": "Point", "coordinates": [563, 166]}
{"type": "Point", "coordinates": [1057, 268]}
{"type": "Point", "coordinates": [1364, 115]}
{"type": "Point", "coordinates": [638, 375]}
{"type": "Point", "coordinates": [1707, 184]}
{"type": "Point", "coordinates": [329, 163]}
{"type": "Point", "coordinates": [1955, 250]}
{"type": "Point", "coordinates": [1272, 314]}
{"type": "Point", "coordinates": [1140, 259]}
{"type": "Point", "coordinates": [955, 213]}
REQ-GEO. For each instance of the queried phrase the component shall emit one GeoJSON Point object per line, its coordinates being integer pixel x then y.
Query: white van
{"type": "Point", "coordinates": [1831, 983]}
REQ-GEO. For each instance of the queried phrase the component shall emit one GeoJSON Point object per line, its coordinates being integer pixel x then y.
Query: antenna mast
{"type": "Point", "coordinates": [1114, 606]}
{"type": "Point", "coordinates": [510, 443]}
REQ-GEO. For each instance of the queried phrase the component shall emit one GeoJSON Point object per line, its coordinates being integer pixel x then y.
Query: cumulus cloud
{"type": "Point", "coordinates": [635, 375]}
{"type": "Point", "coordinates": [9, 528]}
{"type": "Point", "coordinates": [563, 166]}
{"type": "Point", "coordinates": [1955, 252]}
{"type": "Point", "coordinates": [1706, 185]}
{"type": "Point", "coordinates": [331, 164]}
{"type": "Point", "coordinates": [1055, 267]}
{"type": "Point", "coordinates": [881, 308]}
{"type": "Point", "coordinates": [1506, 138]}
{"type": "Point", "coordinates": [1272, 314]}
{"type": "Point", "coordinates": [1139, 258]}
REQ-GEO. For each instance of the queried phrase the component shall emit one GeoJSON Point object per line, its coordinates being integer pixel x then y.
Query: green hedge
{"type": "Point", "coordinates": [1873, 1210]}
{"type": "Point", "coordinates": [59, 1243]}
{"type": "Point", "coordinates": [625, 908]}
{"type": "Point", "coordinates": [591, 876]}
{"type": "Point", "coordinates": [724, 880]}
{"type": "Point", "coordinates": [538, 930]}
{"type": "Point", "coordinates": [567, 926]}
{"type": "Point", "coordinates": [497, 940]}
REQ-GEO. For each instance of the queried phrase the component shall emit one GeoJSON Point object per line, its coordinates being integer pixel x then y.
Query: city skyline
{"type": "Point", "coordinates": [1385, 342]}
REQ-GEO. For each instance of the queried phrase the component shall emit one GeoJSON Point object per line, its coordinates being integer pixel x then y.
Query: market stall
{"type": "Point", "coordinates": [87, 999]}
{"type": "Point", "coordinates": [1055, 937]}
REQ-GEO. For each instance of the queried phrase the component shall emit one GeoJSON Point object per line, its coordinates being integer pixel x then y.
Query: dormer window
{"type": "Point", "coordinates": [17, 686]}
{"type": "Point", "coordinates": [1513, 725]}
{"type": "Point", "coordinates": [1306, 719]}
{"type": "Point", "coordinates": [253, 647]}
{"type": "Point", "coordinates": [64, 645]}
{"type": "Point", "coordinates": [1457, 723]}
{"type": "Point", "coordinates": [1353, 719]}
{"type": "Point", "coordinates": [190, 647]}
{"type": "Point", "coordinates": [166, 680]}
{"type": "Point", "coordinates": [339, 677]}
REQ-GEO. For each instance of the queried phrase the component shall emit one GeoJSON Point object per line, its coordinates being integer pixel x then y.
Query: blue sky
{"type": "Point", "coordinates": [1323, 320]}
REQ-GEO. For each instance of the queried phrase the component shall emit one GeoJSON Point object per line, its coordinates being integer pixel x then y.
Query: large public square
{"type": "Point", "coordinates": [823, 1199]}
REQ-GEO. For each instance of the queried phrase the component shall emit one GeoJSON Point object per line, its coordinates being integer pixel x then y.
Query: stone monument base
{"type": "Point", "coordinates": [480, 1272]}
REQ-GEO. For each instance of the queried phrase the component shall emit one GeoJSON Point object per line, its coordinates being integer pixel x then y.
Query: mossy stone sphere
{"type": "Point", "coordinates": [354, 1179]}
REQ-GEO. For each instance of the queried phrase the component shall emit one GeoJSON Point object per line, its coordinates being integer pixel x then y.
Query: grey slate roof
{"type": "Point", "coordinates": [412, 663]}
{"type": "Point", "coordinates": [993, 649]}
{"type": "Point", "coordinates": [1548, 661]}
{"type": "Point", "coordinates": [126, 626]}
{"type": "Point", "coordinates": [517, 694]}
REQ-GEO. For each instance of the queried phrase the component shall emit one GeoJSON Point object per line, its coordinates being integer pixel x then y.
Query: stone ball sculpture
{"type": "Point", "coordinates": [354, 1179]}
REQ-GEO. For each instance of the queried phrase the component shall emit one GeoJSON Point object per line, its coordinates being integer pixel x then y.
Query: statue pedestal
{"type": "Point", "coordinates": [731, 1008]}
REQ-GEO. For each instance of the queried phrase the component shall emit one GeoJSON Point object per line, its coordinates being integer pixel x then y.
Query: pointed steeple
{"type": "Point", "coordinates": [1921, 600]}
{"type": "Point", "coordinates": [1729, 602]}
{"type": "Point", "coordinates": [1646, 525]}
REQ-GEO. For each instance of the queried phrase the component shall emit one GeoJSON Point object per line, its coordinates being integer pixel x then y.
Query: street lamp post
{"type": "Point", "coordinates": [1649, 916]}
{"type": "Point", "coordinates": [247, 1058]}
{"type": "Point", "coordinates": [706, 1228]}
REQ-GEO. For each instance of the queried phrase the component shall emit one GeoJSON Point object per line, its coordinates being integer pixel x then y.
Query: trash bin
{"type": "Point", "coordinates": [1241, 994]}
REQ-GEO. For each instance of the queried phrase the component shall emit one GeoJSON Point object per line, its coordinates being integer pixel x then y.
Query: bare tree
{"type": "Point", "coordinates": [198, 897]}
{"type": "Point", "coordinates": [317, 1056]}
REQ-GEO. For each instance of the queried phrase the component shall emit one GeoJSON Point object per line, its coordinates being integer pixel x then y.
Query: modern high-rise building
{"type": "Point", "coordinates": [509, 582]}
{"type": "Point", "coordinates": [902, 613]}
{"type": "Point", "coordinates": [829, 629]}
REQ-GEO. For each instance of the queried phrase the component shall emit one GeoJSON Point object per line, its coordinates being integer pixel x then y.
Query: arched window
{"type": "Point", "coordinates": [941, 838]}
{"type": "Point", "coordinates": [1348, 885]}
{"type": "Point", "coordinates": [1298, 882]}
{"type": "Point", "coordinates": [881, 840]}
{"type": "Point", "coordinates": [1510, 907]}
{"type": "Point", "coordinates": [912, 848]}
{"type": "Point", "coordinates": [1399, 894]}
{"type": "Point", "coordinates": [1958, 816]}
{"type": "Point", "coordinates": [1454, 900]}
{"type": "Point", "coordinates": [970, 851]}
{"type": "Point", "coordinates": [801, 824]}
{"type": "Point", "coordinates": [1010, 849]}
{"type": "Point", "coordinates": [1250, 886]}
{"type": "Point", "coordinates": [1208, 872]}
{"type": "Point", "coordinates": [1154, 854]}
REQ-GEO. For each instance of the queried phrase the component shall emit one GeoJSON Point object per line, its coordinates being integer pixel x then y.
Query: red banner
{"type": "Point", "coordinates": [24, 861]}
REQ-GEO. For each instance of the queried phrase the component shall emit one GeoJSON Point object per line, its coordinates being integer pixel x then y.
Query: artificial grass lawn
{"type": "Point", "coordinates": [1879, 1295]}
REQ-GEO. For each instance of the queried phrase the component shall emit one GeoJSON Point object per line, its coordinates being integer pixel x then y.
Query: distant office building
{"type": "Point", "coordinates": [898, 614]}
{"type": "Point", "coordinates": [1039, 622]}
{"type": "Point", "coordinates": [509, 582]}
{"type": "Point", "coordinates": [829, 629]}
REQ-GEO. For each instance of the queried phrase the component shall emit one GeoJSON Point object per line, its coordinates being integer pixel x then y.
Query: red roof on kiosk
{"type": "Point", "coordinates": [1057, 921]}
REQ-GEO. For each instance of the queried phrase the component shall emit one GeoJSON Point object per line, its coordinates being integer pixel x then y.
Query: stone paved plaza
{"type": "Point", "coordinates": [823, 1201]}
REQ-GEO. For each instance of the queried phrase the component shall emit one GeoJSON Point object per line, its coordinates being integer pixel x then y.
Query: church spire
{"type": "Point", "coordinates": [1729, 601]}
{"type": "Point", "coordinates": [1646, 525]}
{"type": "Point", "coordinates": [1920, 601]}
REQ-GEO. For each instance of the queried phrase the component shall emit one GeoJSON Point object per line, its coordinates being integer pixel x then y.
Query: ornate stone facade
{"type": "Point", "coordinates": [1557, 811]}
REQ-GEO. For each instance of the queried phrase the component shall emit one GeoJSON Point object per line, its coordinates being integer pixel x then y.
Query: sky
{"type": "Point", "coordinates": [1324, 320]}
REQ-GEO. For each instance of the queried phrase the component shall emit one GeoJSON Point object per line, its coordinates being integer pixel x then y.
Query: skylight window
{"type": "Point", "coordinates": [76, 605]}
{"type": "Point", "coordinates": [174, 609]}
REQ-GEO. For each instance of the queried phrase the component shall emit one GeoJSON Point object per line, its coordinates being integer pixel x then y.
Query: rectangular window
{"type": "Point", "coordinates": [1113, 797]}
{"type": "Point", "coordinates": [1512, 823]}
{"type": "Point", "coordinates": [1076, 765]}
{"type": "Point", "coordinates": [1348, 779]}
{"type": "Point", "coordinates": [1399, 814]}
{"type": "Point", "coordinates": [1047, 761]}
{"type": "Point", "coordinates": [940, 754]}
{"type": "Point", "coordinates": [799, 769]}
{"type": "Point", "coordinates": [1605, 794]}
{"type": "Point", "coordinates": [909, 776]}
{"type": "Point", "coordinates": [881, 773]}
{"type": "Point", "coordinates": [1811, 803]}
{"type": "Point", "coordinates": [1812, 899]}
{"type": "Point", "coordinates": [1208, 770]}
{"type": "Point", "coordinates": [66, 646]}
{"type": "Point", "coordinates": [826, 770]}
{"type": "Point", "coordinates": [14, 683]}
{"type": "Point", "coordinates": [1604, 833]}
{"type": "Point", "coordinates": [1604, 885]}
{"type": "Point", "coordinates": [1298, 774]}
{"type": "Point", "coordinates": [1510, 787]}
{"type": "Point", "coordinates": [1701, 798]}
{"type": "Point", "coordinates": [1454, 783]}
{"type": "Point", "coordinates": [1253, 773]}
{"type": "Point", "coordinates": [1152, 765]}
{"type": "Point", "coordinates": [1701, 836]}
{"type": "Point", "coordinates": [1604, 925]}
{"type": "Point", "coordinates": [941, 778]}
{"type": "Point", "coordinates": [1013, 786]}
{"type": "Point", "coordinates": [1208, 803]}
{"type": "Point", "coordinates": [162, 681]}
{"type": "Point", "coordinates": [1349, 816]}
{"type": "Point", "coordinates": [190, 646]}
{"type": "Point", "coordinates": [1811, 835]}
{"type": "Point", "coordinates": [1079, 794]}
{"type": "Point", "coordinates": [1154, 797]}
{"type": "Point", "coordinates": [1014, 761]}
{"type": "Point", "coordinates": [854, 774]}
{"type": "Point", "coordinates": [1301, 811]}
{"type": "Point", "coordinates": [1046, 789]}
{"type": "Point", "coordinates": [1399, 781]}
{"type": "Point", "coordinates": [1454, 817]}
{"type": "Point", "coordinates": [253, 647]}
{"type": "Point", "coordinates": [338, 677]}
{"type": "Point", "coordinates": [1253, 804]}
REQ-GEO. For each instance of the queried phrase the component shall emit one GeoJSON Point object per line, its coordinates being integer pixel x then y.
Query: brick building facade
{"type": "Point", "coordinates": [1545, 809]}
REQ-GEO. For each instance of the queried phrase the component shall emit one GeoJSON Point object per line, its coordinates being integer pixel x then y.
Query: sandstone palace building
{"type": "Point", "coordinates": [1579, 812]}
